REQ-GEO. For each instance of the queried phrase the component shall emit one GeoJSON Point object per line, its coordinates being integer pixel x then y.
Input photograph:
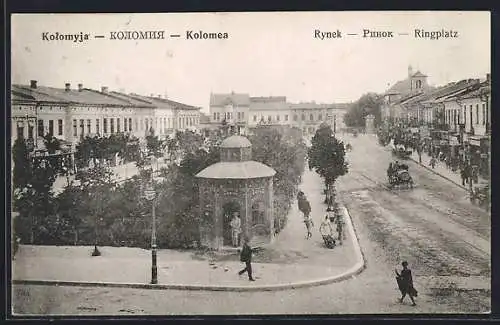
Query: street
{"type": "Point", "coordinates": [444, 238]}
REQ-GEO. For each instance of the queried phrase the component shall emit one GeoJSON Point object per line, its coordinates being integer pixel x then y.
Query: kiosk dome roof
{"type": "Point", "coordinates": [236, 141]}
{"type": "Point", "coordinates": [237, 170]}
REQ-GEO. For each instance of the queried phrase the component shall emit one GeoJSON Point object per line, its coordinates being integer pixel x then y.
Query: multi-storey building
{"type": "Point", "coordinates": [70, 114]}
{"type": "Point", "coordinates": [414, 85]}
{"type": "Point", "coordinates": [240, 112]}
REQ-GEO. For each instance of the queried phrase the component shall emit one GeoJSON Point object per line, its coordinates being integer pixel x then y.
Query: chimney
{"type": "Point", "coordinates": [159, 96]}
{"type": "Point", "coordinates": [152, 95]}
{"type": "Point", "coordinates": [104, 89]}
{"type": "Point", "coordinates": [80, 87]}
{"type": "Point", "coordinates": [33, 84]}
{"type": "Point", "coordinates": [67, 86]}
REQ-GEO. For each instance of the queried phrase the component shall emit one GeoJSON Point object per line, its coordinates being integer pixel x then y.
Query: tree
{"type": "Point", "coordinates": [96, 186]}
{"type": "Point", "coordinates": [367, 104]}
{"type": "Point", "coordinates": [22, 165]}
{"type": "Point", "coordinates": [327, 158]}
{"type": "Point", "coordinates": [154, 145]}
{"type": "Point", "coordinates": [284, 150]}
{"type": "Point", "coordinates": [52, 144]}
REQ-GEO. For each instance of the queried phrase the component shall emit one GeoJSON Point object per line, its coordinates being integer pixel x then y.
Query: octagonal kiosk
{"type": "Point", "coordinates": [236, 185]}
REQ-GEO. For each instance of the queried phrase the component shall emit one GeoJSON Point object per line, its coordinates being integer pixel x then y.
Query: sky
{"type": "Point", "coordinates": [266, 54]}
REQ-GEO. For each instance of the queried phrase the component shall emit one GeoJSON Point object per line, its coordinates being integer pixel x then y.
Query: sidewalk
{"type": "Point", "coordinates": [131, 267]}
{"type": "Point", "coordinates": [441, 170]}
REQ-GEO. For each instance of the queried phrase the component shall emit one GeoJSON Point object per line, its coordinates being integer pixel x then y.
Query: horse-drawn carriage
{"type": "Point", "coordinates": [401, 152]}
{"type": "Point", "coordinates": [399, 175]}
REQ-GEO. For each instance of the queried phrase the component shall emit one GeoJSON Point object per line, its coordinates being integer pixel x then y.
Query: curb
{"type": "Point", "coordinates": [439, 174]}
{"type": "Point", "coordinates": [355, 270]}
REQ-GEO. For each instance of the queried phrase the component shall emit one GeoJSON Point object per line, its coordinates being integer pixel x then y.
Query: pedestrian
{"type": "Point", "coordinates": [405, 283]}
{"type": "Point", "coordinates": [340, 227]}
{"type": "Point", "coordinates": [432, 162]}
{"type": "Point", "coordinates": [235, 229]}
{"type": "Point", "coordinates": [246, 257]}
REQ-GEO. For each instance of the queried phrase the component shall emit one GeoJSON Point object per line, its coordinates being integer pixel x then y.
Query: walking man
{"type": "Point", "coordinates": [340, 227]}
{"type": "Point", "coordinates": [405, 283]}
{"type": "Point", "coordinates": [246, 257]}
{"type": "Point", "coordinates": [235, 229]}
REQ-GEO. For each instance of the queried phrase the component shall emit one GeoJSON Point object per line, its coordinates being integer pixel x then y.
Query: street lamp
{"type": "Point", "coordinates": [150, 195]}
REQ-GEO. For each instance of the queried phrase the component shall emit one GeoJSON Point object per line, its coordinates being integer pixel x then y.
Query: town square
{"type": "Point", "coordinates": [273, 176]}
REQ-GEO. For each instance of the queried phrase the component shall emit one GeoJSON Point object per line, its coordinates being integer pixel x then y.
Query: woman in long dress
{"type": "Point", "coordinates": [405, 283]}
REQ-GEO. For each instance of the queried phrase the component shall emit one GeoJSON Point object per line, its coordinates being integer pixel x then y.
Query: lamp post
{"type": "Point", "coordinates": [150, 195]}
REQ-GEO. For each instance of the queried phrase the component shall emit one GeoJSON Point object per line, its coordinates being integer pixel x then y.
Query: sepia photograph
{"type": "Point", "coordinates": [250, 163]}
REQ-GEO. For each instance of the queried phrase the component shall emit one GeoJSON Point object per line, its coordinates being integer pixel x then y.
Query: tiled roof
{"type": "Point", "coordinates": [418, 74]}
{"type": "Point", "coordinates": [225, 99]}
{"type": "Point", "coordinates": [236, 170]}
{"type": "Point", "coordinates": [33, 94]}
{"type": "Point", "coordinates": [483, 88]}
{"type": "Point", "coordinates": [131, 99]}
{"type": "Point", "coordinates": [85, 96]}
{"type": "Point", "coordinates": [443, 91]}
{"type": "Point", "coordinates": [268, 99]}
{"type": "Point", "coordinates": [162, 102]}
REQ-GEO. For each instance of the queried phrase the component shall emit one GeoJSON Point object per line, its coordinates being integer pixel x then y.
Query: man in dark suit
{"type": "Point", "coordinates": [246, 257]}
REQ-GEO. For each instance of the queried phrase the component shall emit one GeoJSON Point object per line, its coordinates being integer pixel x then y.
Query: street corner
{"type": "Point", "coordinates": [360, 257]}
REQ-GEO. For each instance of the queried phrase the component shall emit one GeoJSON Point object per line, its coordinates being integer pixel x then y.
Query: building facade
{"type": "Point", "coordinates": [241, 112]}
{"type": "Point", "coordinates": [70, 114]}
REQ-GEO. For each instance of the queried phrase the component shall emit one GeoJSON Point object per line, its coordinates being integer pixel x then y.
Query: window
{"type": "Point", "coordinates": [118, 125]}
{"type": "Point", "coordinates": [130, 124]}
{"type": "Point", "coordinates": [59, 127]}
{"type": "Point", "coordinates": [20, 132]}
{"type": "Point", "coordinates": [487, 114]}
{"type": "Point", "coordinates": [477, 113]}
{"type": "Point", "coordinates": [40, 128]}
{"type": "Point", "coordinates": [255, 118]}
{"type": "Point", "coordinates": [147, 124]}
{"type": "Point", "coordinates": [51, 127]}
{"type": "Point", "coordinates": [218, 116]}
{"type": "Point", "coordinates": [465, 114]}
{"type": "Point", "coordinates": [89, 127]}
{"type": "Point", "coordinates": [82, 127]}
{"type": "Point", "coordinates": [303, 117]}
{"type": "Point", "coordinates": [277, 118]}
{"type": "Point", "coordinates": [258, 213]}
{"type": "Point", "coordinates": [311, 117]}
{"type": "Point", "coordinates": [112, 125]}
{"type": "Point", "coordinates": [229, 115]}
{"type": "Point", "coordinates": [320, 117]}
{"type": "Point", "coordinates": [30, 131]}
{"type": "Point", "coordinates": [105, 126]}
{"type": "Point", "coordinates": [215, 116]}
{"type": "Point", "coordinates": [239, 115]}
{"type": "Point", "coordinates": [419, 84]}
{"type": "Point", "coordinates": [74, 128]}
{"type": "Point", "coordinates": [165, 125]}
{"type": "Point", "coordinates": [286, 117]}
{"type": "Point", "coordinates": [125, 129]}
{"type": "Point", "coordinates": [242, 115]}
{"type": "Point", "coordinates": [97, 126]}
{"type": "Point", "coordinates": [295, 117]}
{"type": "Point", "coordinates": [470, 114]}
{"type": "Point", "coordinates": [484, 114]}
{"type": "Point", "coordinates": [269, 118]}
